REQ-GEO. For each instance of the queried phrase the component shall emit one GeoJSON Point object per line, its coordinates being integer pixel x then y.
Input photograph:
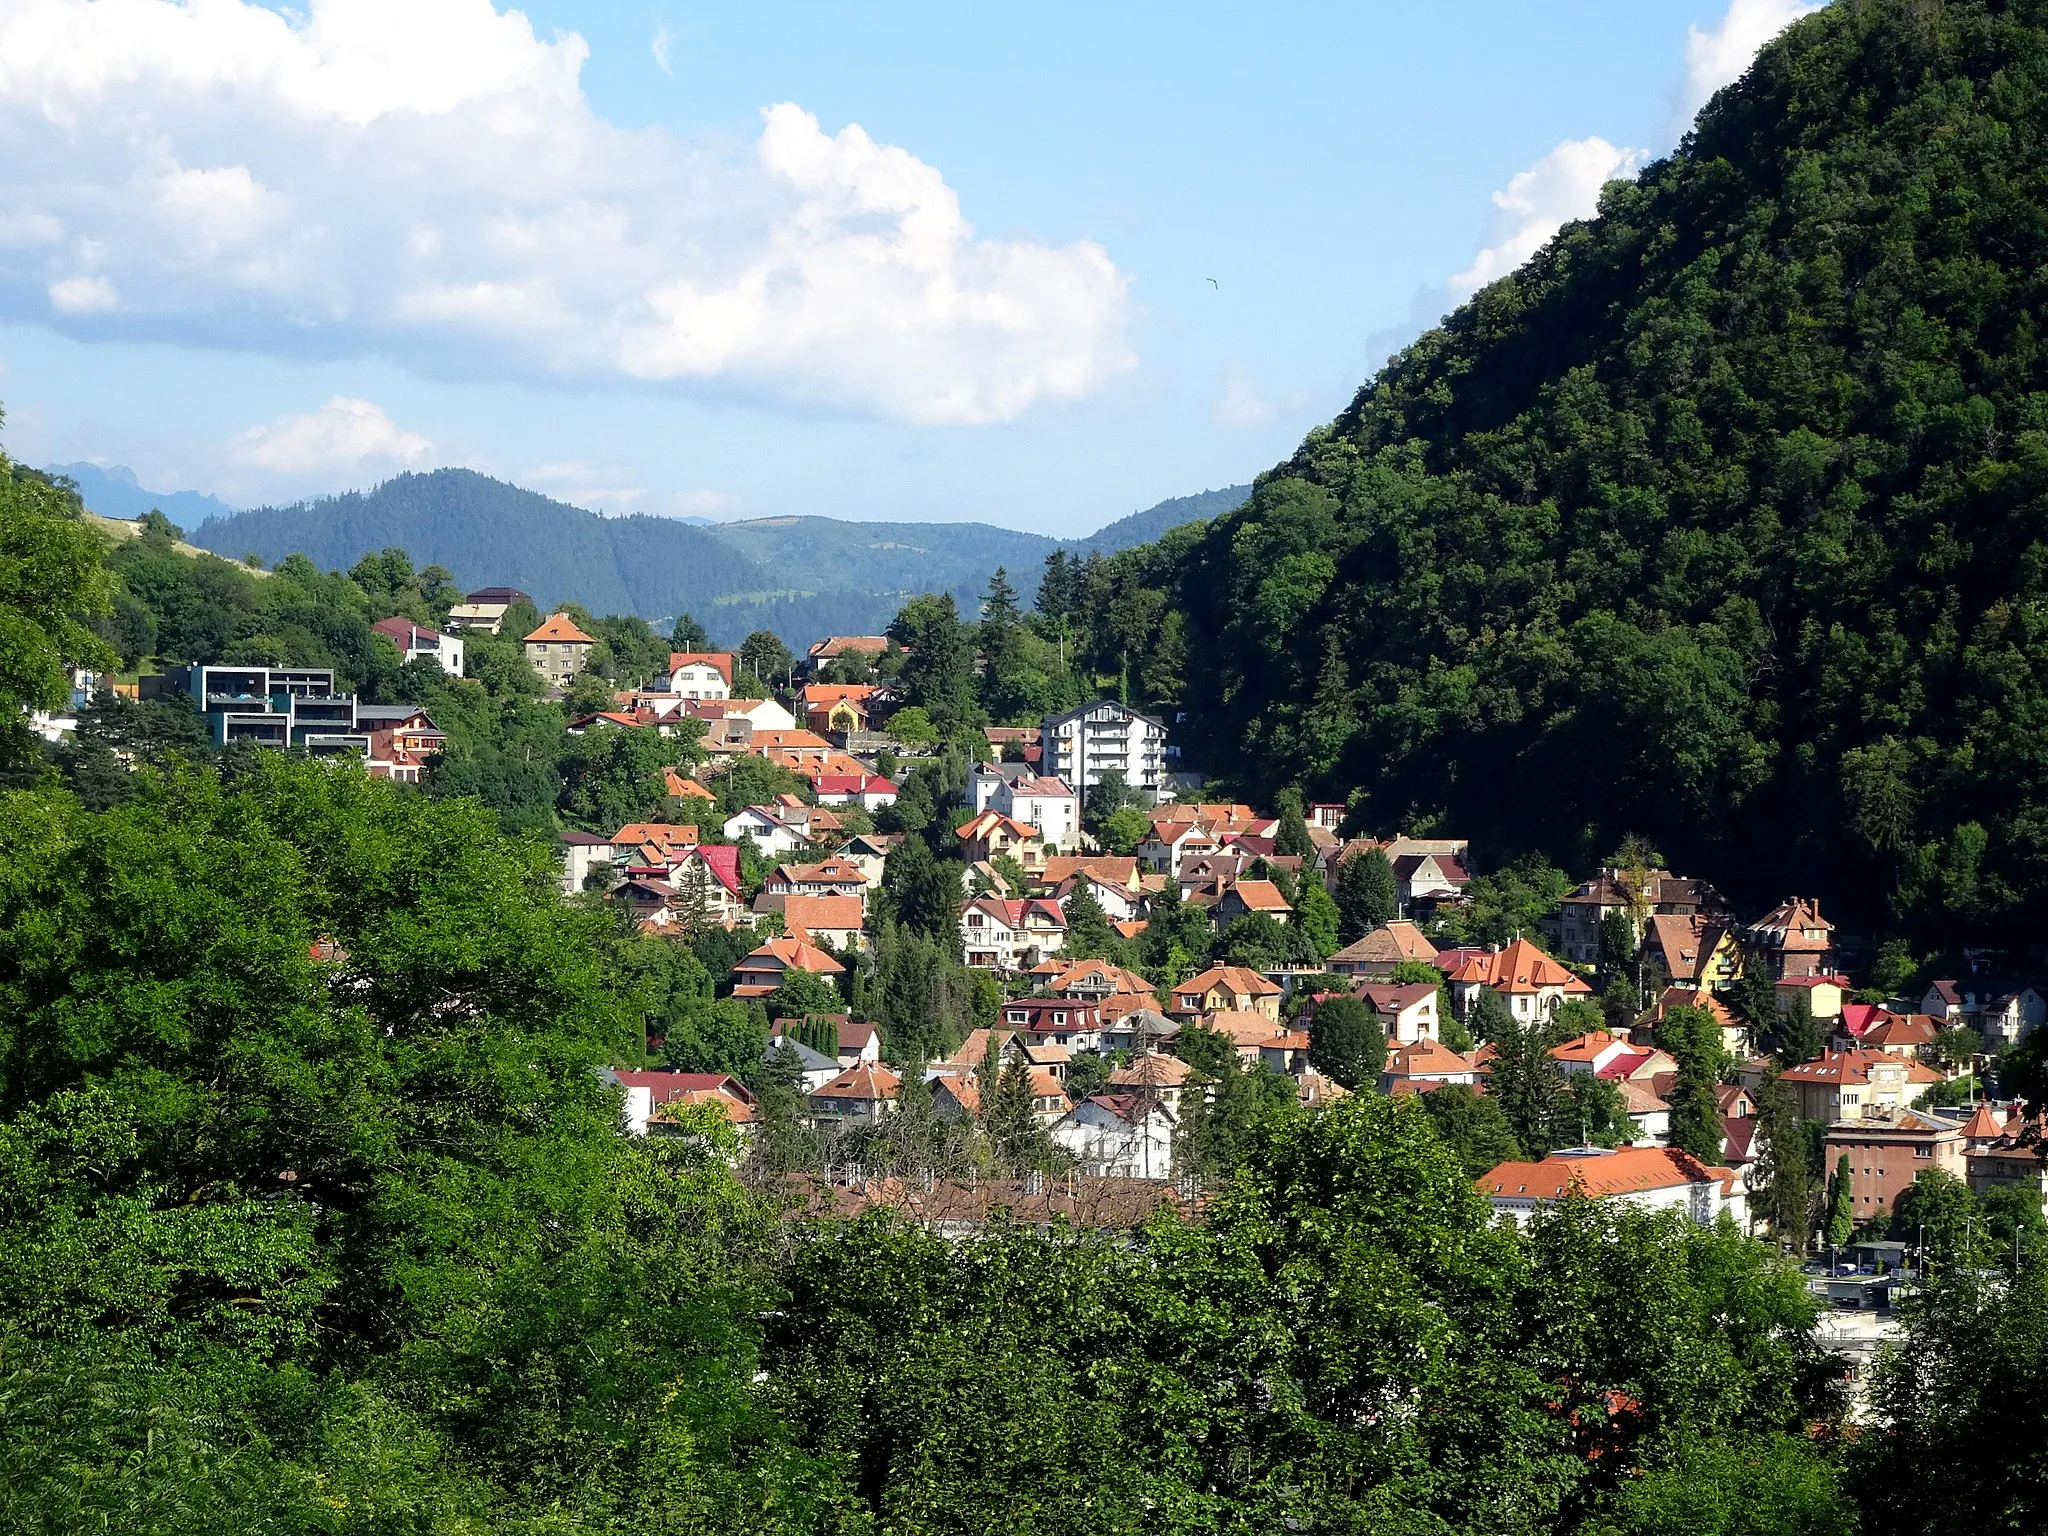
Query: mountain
{"type": "Point", "coordinates": [113, 492]}
{"type": "Point", "coordinates": [1144, 527]}
{"type": "Point", "coordinates": [803, 577]}
{"type": "Point", "coordinates": [1724, 521]}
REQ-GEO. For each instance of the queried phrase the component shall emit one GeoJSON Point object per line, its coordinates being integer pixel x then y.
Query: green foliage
{"type": "Point", "coordinates": [52, 581]}
{"type": "Point", "coordinates": [1786, 1186]}
{"type": "Point", "coordinates": [1693, 1038]}
{"type": "Point", "coordinates": [1124, 829]}
{"type": "Point", "coordinates": [1796, 1035]}
{"type": "Point", "coordinates": [1508, 904]}
{"type": "Point", "coordinates": [1472, 1126]}
{"type": "Point", "coordinates": [1346, 1042]}
{"type": "Point", "coordinates": [1841, 1214]}
{"type": "Point", "coordinates": [1366, 895]}
{"type": "Point", "coordinates": [1770, 1485]}
{"type": "Point", "coordinates": [1529, 1086]}
{"type": "Point", "coordinates": [1316, 914]}
{"type": "Point", "coordinates": [801, 993]}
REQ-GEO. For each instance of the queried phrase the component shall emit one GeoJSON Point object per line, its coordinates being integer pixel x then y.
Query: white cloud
{"type": "Point", "coordinates": [1240, 405]}
{"type": "Point", "coordinates": [701, 504]}
{"type": "Point", "coordinates": [599, 487]}
{"type": "Point", "coordinates": [344, 435]}
{"type": "Point", "coordinates": [1719, 57]}
{"type": "Point", "coordinates": [663, 40]}
{"type": "Point", "coordinates": [424, 180]}
{"type": "Point", "coordinates": [1564, 185]}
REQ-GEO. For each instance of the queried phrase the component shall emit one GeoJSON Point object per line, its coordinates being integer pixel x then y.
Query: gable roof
{"type": "Point", "coordinates": [409, 635]}
{"type": "Point", "coordinates": [1625, 1170]}
{"type": "Point", "coordinates": [559, 627]}
{"type": "Point", "coordinates": [1242, 1028]}
{"type": "Point", "coordinates": [1427, 1058]}
{"type": "Point", "coordinates": [1520, 968]}
{"type": "Point", "coordinates": [719, 661]}
{"type": "Point", "coordinates": [1108, 868]}
{"type": "Point", "coordinates": [1260, 896]}
{"type": "Point", "coordinates": [1853, 1067]}
{"type": "Point", "coordinates": [870, 1080]}
{"type": "Point", "coordinates": [1231, 978]}
{"type": "Point", "coordinates": [804, 915]}
{"type": "Point", "coordinates": [1392, 997]}
{"type": "Point", "coordinates": [790, 954]}
{"type": "Point", "coordinates": [1389, 945]}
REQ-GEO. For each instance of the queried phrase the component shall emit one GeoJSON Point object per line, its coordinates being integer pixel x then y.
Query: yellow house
{"type": "Point", "coordinates": [1228, 989]}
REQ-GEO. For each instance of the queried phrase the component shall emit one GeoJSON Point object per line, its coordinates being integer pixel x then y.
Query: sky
{"type": "Point", "coordinates": [1039, 266]}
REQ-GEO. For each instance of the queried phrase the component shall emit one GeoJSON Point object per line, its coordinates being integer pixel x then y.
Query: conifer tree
{"type": "Point", "coordinates": [1366, 895]}
{"type": "Point", "coordinates": [1841, 1205]}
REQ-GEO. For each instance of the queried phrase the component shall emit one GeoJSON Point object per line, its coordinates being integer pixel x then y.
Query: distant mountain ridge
{"type": "Point", "coordinates": [112, 491]}
{"type": "Point", "coordinates": [804, 577]}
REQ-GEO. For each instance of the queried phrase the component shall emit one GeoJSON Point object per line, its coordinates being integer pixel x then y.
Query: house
{"type": "Point", "coordinates": [1650, 1178]}
{"type": "Point", "coordinates": [1037, 1053]}
{"type": "Point", "coordinates": [869, 853]}
{"type": "Point", "coordinates": [1228, 989]}
{"type": "Point", "coordinates": [858, 1042]}
{"type": "Point", "coordinates": [1793, 938]}
{"type": "Point", "coordinates": [833, 647]}
{"type": "Point", "coordinates": [678, 787]}
{"type": "Point", "coordinates": [775, 832]}
{"type": "Point", "coordinates": [814, 1068]}
{"type": "Point", "coordinates": [1694, 950]}
{"type": "Point", "coordinates": [1162, 1077]}
{"type": "Point", "coordinates": [1899, 1034]}
{"type": "Point", "coordinates": [836, 920]}
{"type": "Point", "coordinates": [1043, 801]}
{"type": "Point", "coordinates": [1887, 1146]}
{"type": "Point", "coordinates": [557, 650]}
{"type": "Point", "coordinates": [1648, 1112]}
{"type": "Point", "coordinates": [651, 901]}
{"type": "Point", "coordinates": [798, 750]}
{"type": "Point", "coordinates": [1581, 916]}
{"type": "Point", "coordinates": [1404, 1011]}
{"type": "Point", "coordinates": [583, 854]}
{"type": "Point", "coordinates": [771, 724]}
{"type": "Point", "coordinates": [651, 843]}
{"type": "Point", "coordinates": [706, 883]}
{"type": "Point", "coordinates": [1091, 980]}
{"type": "Point", "coordinates": [1533, 983]}
{"type": "Point", "coordinates": [1825, 993]}
{"type": "Point", "coordinates": [653, 1098]}
{"type": "Point", "coordinates": [1118, 903]}
{"type": "Point", "coordinates": [2003, 1014]}
{"type": "Point", "coordinates": [1425, 881]}
{"type": "Point", "coordinates": [864, 1092]}
{"type": "Point", "coordinates": [836, 708]}
{"type": "Point", "coordinates": [1122, 1135]}
{"type": "Point", "coordinates": [1589, 1053]}
{"type": "Point", "coordinates": [2007, 1163]}
{"type": "Point", "coordinates": [697, 675]}
{"type": "Point", "coordinates": [417, 640]}
{"type": "Point", "coordinates": [1172, 842]}
{"type": "Point", "coordinates": [870, 791]}
{"type": "Point", "coordinates": [1425, 1064]}
{"type": "Point", "coordinates": [1011, 934]}
{"type": "Point", "coordinates": [1735, 1034]}
{"type": "Point", "coordinates": [760, 973]}
{"type": "Point", "coordinates": [991, 833]}
{"type": "Point", "coordinates": [1286, 1053]}
{"type": "Point", "coordinates": [1248, 1033]}
{"type": "Point", "coordinates": [1844, 1085]}
{"type": "Point", "coordinates": [1083, 745]}
{"type": "Point", "coordinates": [485, 609]}
{"type": "Point", "coordinates": [1375, 956]}
{"type": "Point", "coordinates": [1136, 1027]}
{"type": "Point", "coordinates": [1246, 897]}
{"type": "Point", "coordinates": [1077, 1026]}
{"type": "Point", "coordinates": [272, 707]}
{"type": "Point", "coordinates": [1986, 1128]}
{"type": "Point", "coordinates": [836, 876]}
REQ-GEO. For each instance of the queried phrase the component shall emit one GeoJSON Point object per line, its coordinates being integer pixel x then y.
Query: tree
{"type": "Point", "coordinates": [912, 725]}
{"type": "Point", "coordinates": [689, 635]}
{"type": "Point", "coordinates": [1316, 914]}
{"type": "Point", "coordinates": [1591, 1112]}
{"type": "Point", "coordinates": [923, 893]}
{"type": "Point", "coordinates": [1937, 1212]}
{"type": "Point", "coordinates": [1125, 828]}
{"type": "Point", "coordinates": [1367, 897]}
{"type": "Point", "coordinates": [1693, 1037]}
{"type": "Point", "coordinates": [1104, 798]}
{"type": "Point", "coordinates": [1291, 839]}
{"type": "Point", "coordinates": [801, 993]}
{"type": "Point", "coordinates": [1841, 1218]}
{"type": "Point", "coordinates": [1618, 944]}
{"type": "Point", "coordinates": [1529, 1087]}
{"type": "Point", "coordinates": [1472, 1126]}
{"type": "Point", "coordinates": [762, 655]}
{"type": "Point", "coordinates": [1784, 1172]}
{"type": "Point", "coordinates": [1346, 1042]}
{"type": "Point", "coordinates": [52, 582]}
{"type": "Point", "coordinates": [938, 664]}
{"type": "Point", "coordinates": [1798, 1034]}
{"type": "Point", "coordinates": [1089, 935]}
{"type": "Point", "coordinates": [1492, 1019]}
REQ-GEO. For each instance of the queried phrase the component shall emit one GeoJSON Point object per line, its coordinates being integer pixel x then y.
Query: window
{"type": "Point", "coordinates": [1923, 1151]}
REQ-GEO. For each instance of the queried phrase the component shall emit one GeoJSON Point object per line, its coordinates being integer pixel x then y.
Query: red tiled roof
{"type": "Point", "coordinates": [1626, 1170]}
{"type": "Point", "coordinates": [560, 627]}
{"type": "Point", "coordinates": [720, 660]}
{"type": "Point", "coordinates": [1520, 968]}
{"type": "Point", "coordinates": [870, 1080]}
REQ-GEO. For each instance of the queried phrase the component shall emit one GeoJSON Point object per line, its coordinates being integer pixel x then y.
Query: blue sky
{"type": "Point", "coordinates": [268, 257]}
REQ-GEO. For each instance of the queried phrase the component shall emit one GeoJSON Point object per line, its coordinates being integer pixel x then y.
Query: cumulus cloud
{"type": "Point", "coordinates": [600, 487]}
{"type": "Point", "coordinates": [344, 435]}
{"type": "Point", "coordinates": [1240, 405]}
{"type": "Point", "coordinates": [1718, 57]}
{"type": "Point", "coordinates": [424, 179]}
{"type": "Point", "coordinates": [1564, 185]}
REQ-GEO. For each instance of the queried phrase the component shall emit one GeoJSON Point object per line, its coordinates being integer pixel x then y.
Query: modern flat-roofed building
{"type": "Point", "coordinates": [278, 707]}
{"type": "Point", "coordinates": [1085, 744]}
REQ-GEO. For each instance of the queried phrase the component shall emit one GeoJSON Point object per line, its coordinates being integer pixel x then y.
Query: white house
{"type": "Point", "coordinates": [1121, 1135]}
{"type": "Point", "coordinates": [1047, 803]}
{"type": "Point", "coordinates": [773, 835]}
{"type": "Point", "coordinates": [697, 675]}
{"type": "Point", "coordinates": [583, 852]}
{"type": "Point", "coordinates": [1003, 935]}
{"type": "Point", "coordinates": [1651, 1178]}
{"type": "Point", "coordinates": [1106, 737]}
{"type": "Point", "coordinates": [416, 640]}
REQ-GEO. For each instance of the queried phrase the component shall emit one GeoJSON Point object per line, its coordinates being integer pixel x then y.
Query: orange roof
{"type": "Point", "coordinates": [682, 788]}
{"type": "Point", "coordinates": [1626, 1170]}
{"type": "Point", "coordinates": [660, 834]}
{"type": "Point", "coordinates": [1983, 1125]}
{"type": "Point", "coordinates": [1242, 1028]}
{"type": "Point", "coordinates": [1855, 1066]}
{"type": "Point", "coordinates": [1586, 1047]}
{"type": "Point", "coordinates": [1231, 978]}
{"type": "Point", "coordinates": [790, 954]}
{"type": "Point", "coordinates": [1397, 941]}
{"type": "Point", "coordinates": [719, 660]}
{"type": "Point", "coordinates": [1151, 1071]}
{"type": "Point", "coordinates": [1427, 1058]}
{"type": "Point", "coordinates": [1107, 868]}
{"type": "Point", "coordinates": [818, 695]}
{"type": "Point", "coordinates": [1261, 896]}
{"type": "Point", "coordinates": [1068, 974]}
{"type": "Point", "coordinates": [1521, 967]}
{"type": "Point", "coordinates": [979, 827]}
{"type": "Point", "coordinates": [807, 914]}
{"type": "Point", "coordinates": [560, 627]}
{"type": "Point", "coordinates": [869, 1080]}
{"type": "Point", "coordinates": [788, 741]}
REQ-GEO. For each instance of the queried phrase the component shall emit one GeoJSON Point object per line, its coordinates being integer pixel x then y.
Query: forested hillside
{"type": "Point", "coordinates": [1724, 521]}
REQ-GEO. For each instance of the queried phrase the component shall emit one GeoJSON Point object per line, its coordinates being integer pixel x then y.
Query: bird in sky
{"type": "Point", "coordinates": [1213, 284]}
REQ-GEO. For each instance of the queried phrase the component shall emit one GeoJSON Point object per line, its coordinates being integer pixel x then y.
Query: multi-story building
{"type": "Point", "coordinates": [1581, 915]}
{"type": "Point", "coordinates": [485, 609]}
{"type": "Point", "coordinates": [273, 707]}
{"type": "Point", "coordinates": [1887, 1147]}
{"type": "Point", "coordinates": [416, 640]}
{"type": "Point", "coordinates": [1085, 744]}
{"type": "Point", "coordinates": [557, 650]}
{"type": "Point", "coordinates": [698, 675]}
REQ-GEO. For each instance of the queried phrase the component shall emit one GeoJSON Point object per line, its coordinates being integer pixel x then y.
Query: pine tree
{"type": "Point", "coordinates": [1529, 1086]}
{"type": "Point", "coordinates": [1841, 1205]}
{"type": "Point", "coordinates": [1784, 1176]}
{"type": "Point", "coordinates": [1012, 1128]}
{"type": "Point", "coordinates": [689, 635]}
{"type": "Point", "coordinates": [1693, 1038]}
{"type": "Point", "coordinates": [1367, 897]}
{"type": "Point", "coordinates": [1799, 1036]}
{"type": "Point", "coordinates": [1317, 914]}
{"type": "Point", "coordinates": [1291, 839]}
